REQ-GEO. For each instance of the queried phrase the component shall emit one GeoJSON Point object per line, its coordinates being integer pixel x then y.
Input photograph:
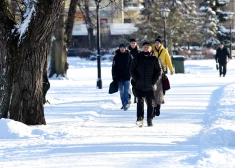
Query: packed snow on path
{"type": "Point", "coordinates": [86, 127]}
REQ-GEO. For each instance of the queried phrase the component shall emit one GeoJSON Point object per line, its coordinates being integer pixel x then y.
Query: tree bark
{"type": "Point", "coordinates": [28, 57]}
{"type": "Point", "coordinates": [58, 64]}
{"type": "Point", "coordinates": [90, 26]}
{"type": "Point", "coordinates": [70, 21]}
{"type": "Point", "coordinates": [61, 42]}
{"type": "Point", "coordinates": [7, 47]}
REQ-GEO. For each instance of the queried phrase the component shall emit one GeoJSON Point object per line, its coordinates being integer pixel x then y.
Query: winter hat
{"type": "Point", "coordinates": [146, 43]}
{"type": "Point", "coordinates": [222, 42]}
{"type": "Point", "coordinates": [158, 39]}
{"type": "Point", "coordinates": [122, 45]}
{"type": "Point", "coordinates": [132, 40]}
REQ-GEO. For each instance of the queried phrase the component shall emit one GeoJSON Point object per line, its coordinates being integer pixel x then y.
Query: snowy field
{"type": "Point", "coordinates": [86, 128]}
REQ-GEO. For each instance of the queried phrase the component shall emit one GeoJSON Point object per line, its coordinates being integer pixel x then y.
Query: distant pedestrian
{"type": "Point", "coordinates": [134, 50]}
{"type": "Point", "coordinates": [121, 73]}
{"type": "Point", "coordinates": [145, 71]}
{"type": "Point", "coordinates": [165, 58]}
{"type": "Point", "coordinates": [222, 57]}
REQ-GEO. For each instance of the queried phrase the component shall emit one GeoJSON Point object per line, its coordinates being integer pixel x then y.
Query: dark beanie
{"type": "Point", "coordinates": [132, 40]}
{"type": "Point", "coordinates": [147, 43]}
{"type": "Point", "coordinates": [122, 45]}
{"type": "Point", "coordinates": [158, 39]}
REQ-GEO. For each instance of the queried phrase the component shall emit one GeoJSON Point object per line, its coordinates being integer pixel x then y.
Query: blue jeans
{"type": "Point", "coordinates": [123, 89]}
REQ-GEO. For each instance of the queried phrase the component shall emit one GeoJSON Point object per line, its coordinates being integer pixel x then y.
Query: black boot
{"type": "Point", "coordinates": [157, 110]}
{"type": "Point", "coordinates": [149, 122]}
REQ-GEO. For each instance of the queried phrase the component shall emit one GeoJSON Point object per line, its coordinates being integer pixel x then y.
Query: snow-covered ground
{"type": "Point", "coordinates": [86, 128]}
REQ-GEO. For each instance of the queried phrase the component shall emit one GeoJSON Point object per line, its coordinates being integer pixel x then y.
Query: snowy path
{"type": "Point", "coordinates": [86, 128]}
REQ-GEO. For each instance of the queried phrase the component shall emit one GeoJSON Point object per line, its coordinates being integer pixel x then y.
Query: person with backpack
{"type": "Point", "coordinates": [163, 55]}
{"type": "Point", "coordinates": [222, 57]}
{"type": "Point", "coordinates": [121, 73]}
{"type": "Point", "coordinates": [134, 50]}
{"type": "Point", "coordinates": [145, 71]}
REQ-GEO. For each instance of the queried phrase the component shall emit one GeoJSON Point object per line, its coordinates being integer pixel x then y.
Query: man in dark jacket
{"type": "Point", "coordinates": [121, 74]}
{"type": "Point", "coordinates": [135, 50]}
{"type": "Point", "coordinates": [221, 57]}
{"type": "Point", "coordinates": [145, 71]}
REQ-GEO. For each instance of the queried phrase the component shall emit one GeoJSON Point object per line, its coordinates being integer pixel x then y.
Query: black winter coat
{"type": "Point", "coordinates": [134, 51]}
{"type": "Point", "coordinates": [221, 55]}
{"type": "Point", "coordinates": [121, 66]}
{"type": "Point", "coordinates": [145, 71]}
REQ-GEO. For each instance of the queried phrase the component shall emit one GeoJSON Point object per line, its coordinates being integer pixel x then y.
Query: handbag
{"type": "Point", "coordinates": [165, 82]}
{"type": "Point", "coordinates": [113, 88]}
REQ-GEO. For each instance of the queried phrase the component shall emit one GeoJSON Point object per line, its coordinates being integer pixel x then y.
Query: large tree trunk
{"type": "Point", "coordinates": [70, 21]}
{"type": "Point", "coordinates": [30, 53]}
{"type": "Point", "coordinates": [61, 42]}
{"type": "Point", "coordinates": [58, 50]}
{"type": "Point", "coordinates": [7, 46]}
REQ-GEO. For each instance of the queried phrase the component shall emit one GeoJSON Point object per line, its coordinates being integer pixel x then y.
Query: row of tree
{"type": "Point", "coordinates": [189, 23]}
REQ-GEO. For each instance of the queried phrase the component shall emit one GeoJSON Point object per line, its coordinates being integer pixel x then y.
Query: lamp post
{"type": "Point", "coordinates": [164, 14]}
{"type": "Point", "coordinates": [231, 18]}
{"type": "Point", "coordinates": [99, 80]}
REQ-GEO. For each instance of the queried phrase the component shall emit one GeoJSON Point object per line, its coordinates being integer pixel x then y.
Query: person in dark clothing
{"type": "Point", "coordinates": [121, 74]}
{"type": "Point", "coordinates": [145, 71]}
{"type": "Point", "coordinates": [46, 87]}
{"type": "Point", "coordinates": [134, 50]}
{"type": "Point", "coordinates": [222, 57]}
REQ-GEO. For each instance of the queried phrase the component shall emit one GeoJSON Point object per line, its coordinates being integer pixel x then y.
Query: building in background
{"type": "Point", "coordinates": [117, 19]}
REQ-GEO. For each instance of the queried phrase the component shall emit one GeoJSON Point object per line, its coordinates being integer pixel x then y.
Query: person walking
{"type": "Point", "coordinates": [134, 50]}
{"type": "Point", "coordinates": [121, 73]}
{"type": "Point", "coordinates": [222, 57]}
{"type": "Point", "coordinates": [163, 55]}
{"type": "Point", "coordinates": [145, 71]}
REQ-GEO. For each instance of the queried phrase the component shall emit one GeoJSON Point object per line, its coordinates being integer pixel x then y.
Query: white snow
{"type": "Point", "coordinates": [22, 28]}
{"type": "Point", "coordinates": [86, 127]}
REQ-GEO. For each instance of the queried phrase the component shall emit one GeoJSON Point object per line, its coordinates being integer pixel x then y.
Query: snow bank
{"type": "Point", "coordinates": [11, 129]}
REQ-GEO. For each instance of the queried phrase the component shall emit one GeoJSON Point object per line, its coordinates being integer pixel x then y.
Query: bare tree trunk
{"type": "Point", "coordinates": [61, 42]}
{"type": "Point", "coordinates": [6, 48]}
{"type": "Point", "coordinates": [58, 62]}
{"type": "Point", "coordinates": [70, 21]}
{"type": "Point", "coordinates": [30, 54]}
{"type": "Point", "coordinates": [90, 27]}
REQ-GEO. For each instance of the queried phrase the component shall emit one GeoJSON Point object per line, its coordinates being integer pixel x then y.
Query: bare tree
{"type": "Point", "coordinates": [62, 41]}
{"type": "Point", "coordinates": [84, 8]}
{"type": "Point", "coordinates": [26, 52]}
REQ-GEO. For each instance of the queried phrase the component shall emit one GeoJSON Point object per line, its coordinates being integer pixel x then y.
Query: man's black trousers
{"type": "Point", "coordinates": [147, 96]}
{"type": "Point", "coordinates": [222, 69]}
